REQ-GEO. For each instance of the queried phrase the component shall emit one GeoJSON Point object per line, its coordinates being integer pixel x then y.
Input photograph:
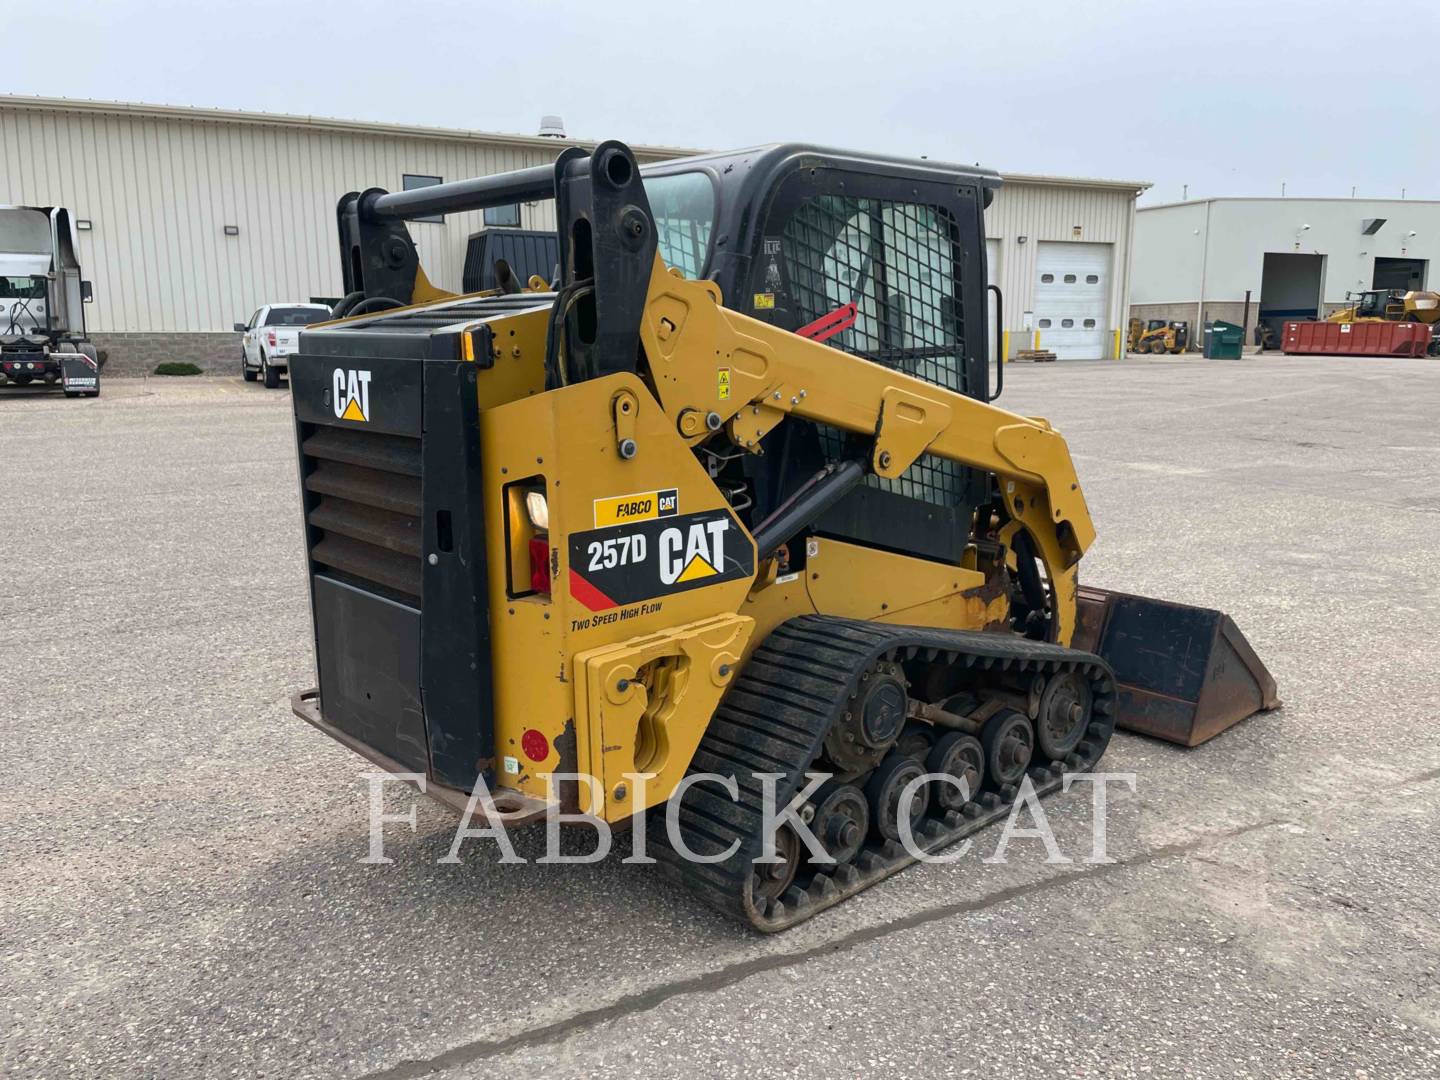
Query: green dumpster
{"type": "Point", "coordinates": [1223, 340]}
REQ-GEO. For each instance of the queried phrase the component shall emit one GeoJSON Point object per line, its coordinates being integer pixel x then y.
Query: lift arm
{"type": "Point", "coordinates": [714, 367]}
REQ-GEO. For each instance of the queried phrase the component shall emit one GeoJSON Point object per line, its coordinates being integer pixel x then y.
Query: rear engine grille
{"type": "Point", "coordinates": [363, 501]}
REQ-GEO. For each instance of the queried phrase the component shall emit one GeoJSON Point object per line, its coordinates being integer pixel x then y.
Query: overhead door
{"type": "Point", "coordinates": [1072, 299]}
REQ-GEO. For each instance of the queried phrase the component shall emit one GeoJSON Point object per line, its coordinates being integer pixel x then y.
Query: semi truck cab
{"type": "Point", "coordinates": [42, 303]}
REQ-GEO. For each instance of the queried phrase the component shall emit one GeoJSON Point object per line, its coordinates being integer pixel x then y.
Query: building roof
{"type": "Point", "coordinates": [1288, 199]}
{"type": "Point", "coordinates": [1136, 186]}
{"type": "Point", "coordinates": [200, 114]}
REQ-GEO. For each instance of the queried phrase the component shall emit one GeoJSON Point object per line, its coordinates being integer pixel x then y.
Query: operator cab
{"type": "Point", "coordinates": [794, 235]}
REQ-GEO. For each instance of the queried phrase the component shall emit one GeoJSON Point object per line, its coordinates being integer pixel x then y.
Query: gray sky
{"type": "Point", "coordinates": [1229, 97]}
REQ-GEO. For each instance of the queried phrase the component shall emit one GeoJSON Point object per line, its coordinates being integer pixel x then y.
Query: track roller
{"type": "Point", "coordinates": [1009, 744]}
{"type": "Point", "coordinates": [841, 821]}
{"type": "Point", "coordinates": [883, 790]}
{"type": "Point", "coordinates": [961, 756]}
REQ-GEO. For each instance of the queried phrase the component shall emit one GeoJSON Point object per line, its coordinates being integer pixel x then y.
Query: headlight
{"type": "Point", "coordinates": [539, 512]}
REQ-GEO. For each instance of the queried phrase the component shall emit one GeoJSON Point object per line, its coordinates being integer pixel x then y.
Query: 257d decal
{"type": "Point", "coordinates": [614, 566]}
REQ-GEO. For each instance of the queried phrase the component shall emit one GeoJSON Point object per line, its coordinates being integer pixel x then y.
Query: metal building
{"type": "Point", "coordinates": [1297, 258]}
{"type": "Point", "coordinates": [1059, 247]}
{"type": "Point", "coordinates": [189, 219]}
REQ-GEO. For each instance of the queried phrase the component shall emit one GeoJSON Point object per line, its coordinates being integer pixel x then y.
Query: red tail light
{"type": "Point", "coordinates": [270, 337]}
{"type": "Point", "coordinates": [540, 564]}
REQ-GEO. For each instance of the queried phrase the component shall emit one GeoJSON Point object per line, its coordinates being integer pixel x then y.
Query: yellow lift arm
{"type": "Point", "coordinates": [713, 366]}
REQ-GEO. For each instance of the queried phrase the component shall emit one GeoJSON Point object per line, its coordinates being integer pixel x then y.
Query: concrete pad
{"type": "Point", "coordinates": [180, 885]}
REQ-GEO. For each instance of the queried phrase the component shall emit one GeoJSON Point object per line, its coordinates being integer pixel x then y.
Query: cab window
{"type": "Point", "coordinates": [683, 207]}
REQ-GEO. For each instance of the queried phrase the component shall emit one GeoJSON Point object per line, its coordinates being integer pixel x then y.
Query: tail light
{"type": "Point", "coordinates": [270, 337]}
{"type": "Point", "coordinates": [530, 561]}
{"type": "Point", "coordinates": [540, 564]}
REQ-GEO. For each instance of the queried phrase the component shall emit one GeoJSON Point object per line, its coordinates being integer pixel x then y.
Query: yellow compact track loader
{"type": "Point", "coordinates": [724, 511]}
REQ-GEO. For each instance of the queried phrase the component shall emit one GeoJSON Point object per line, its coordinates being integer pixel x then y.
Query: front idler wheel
{"type": "Point", "coordinates": [1009, 744]}
{"type": "Point", "coordinates": [883, 791]}
{"type": "Point", "coordinates": [961, 756]}
{"type": "Point", "coordinates": [842, 818]}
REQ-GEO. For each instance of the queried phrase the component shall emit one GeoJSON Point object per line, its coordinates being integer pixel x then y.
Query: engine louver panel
{"type": "Point", "coordinates": [363, 501]}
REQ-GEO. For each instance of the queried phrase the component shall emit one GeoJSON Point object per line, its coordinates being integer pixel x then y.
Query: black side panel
{"type": "Point", "coordinates": [883, 519]}
{"type": "Point", "coordinates": [391, 484]}
{"type": "Point", "coordinates": [368, 652]}
{"type": "Point", "coordinates": [455, 661]}
{"type": "Point", "coordinates": [528, 251]}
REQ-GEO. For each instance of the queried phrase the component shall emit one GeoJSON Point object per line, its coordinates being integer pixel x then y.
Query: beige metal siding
{"type": "Point", "coordinates": [161, 184]}
{"type": "Point", "coordinates": [1039, 212]}
{"type": "Point", "coordinates": [160, 191]}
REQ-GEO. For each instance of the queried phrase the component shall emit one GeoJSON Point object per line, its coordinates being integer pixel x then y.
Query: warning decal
{"type": "Point", "coordinates": [611, 567]}
{"type": "Point", "coordinates": [722, 382]}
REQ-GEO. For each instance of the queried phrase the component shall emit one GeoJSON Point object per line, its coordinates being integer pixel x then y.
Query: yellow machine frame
{"type": "Point", "coordinates": [633, 688]}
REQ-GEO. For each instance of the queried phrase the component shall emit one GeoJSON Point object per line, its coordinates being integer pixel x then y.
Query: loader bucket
{"type": "Point", "coordinates": [1185, 673]}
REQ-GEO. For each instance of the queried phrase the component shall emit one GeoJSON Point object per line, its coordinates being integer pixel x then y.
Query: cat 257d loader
{"type": "Point", "coordinates": [728, 498]}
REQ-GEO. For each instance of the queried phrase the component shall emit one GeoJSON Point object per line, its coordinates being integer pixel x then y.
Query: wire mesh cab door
{"type": "Point", "coordinates": [909, 254]}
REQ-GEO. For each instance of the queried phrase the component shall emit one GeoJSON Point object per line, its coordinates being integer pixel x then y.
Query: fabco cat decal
{"type": "Point", "coordinates": [641, 506]}
{"type": "Point", "coordinates": [351, 396]}
{"type": "Point", "coordinates": [657, 557]}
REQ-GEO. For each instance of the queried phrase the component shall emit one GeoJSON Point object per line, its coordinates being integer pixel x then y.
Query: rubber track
{"type": "Point", "coordinates": [774, 719]}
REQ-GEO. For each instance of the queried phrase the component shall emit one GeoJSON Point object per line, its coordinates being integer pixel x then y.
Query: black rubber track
{"type": "Point", "coordinates": [774, 720]}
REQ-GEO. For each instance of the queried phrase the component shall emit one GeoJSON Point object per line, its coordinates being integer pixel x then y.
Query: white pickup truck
{"type": "Point", "coordinates": [271, 335]}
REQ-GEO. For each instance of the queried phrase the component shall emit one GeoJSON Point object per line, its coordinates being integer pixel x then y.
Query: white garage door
{"type": "Point", "coordinates": [1072, 299]}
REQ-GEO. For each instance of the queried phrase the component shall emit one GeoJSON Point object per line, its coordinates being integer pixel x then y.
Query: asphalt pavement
{"type": "Point", "coordinates": [181, 892]}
